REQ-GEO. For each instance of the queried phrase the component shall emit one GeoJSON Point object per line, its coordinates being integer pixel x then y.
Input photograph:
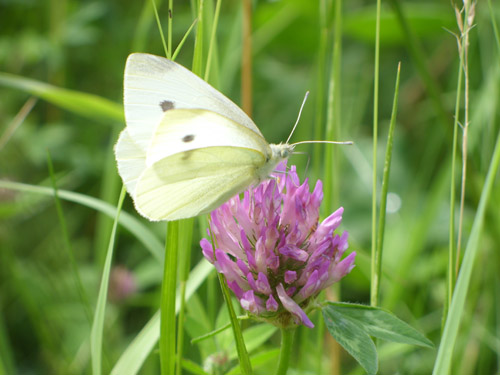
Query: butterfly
{"type": "Point", "coordinates": [186, 148]}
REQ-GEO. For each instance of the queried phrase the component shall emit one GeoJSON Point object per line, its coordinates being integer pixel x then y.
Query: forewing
{"type": "Point", "coordinates": [154, 84]}
{"type": "Point", "coordinates": [195, 182]}
{"type": "Point", "coordinates": [183, 130]}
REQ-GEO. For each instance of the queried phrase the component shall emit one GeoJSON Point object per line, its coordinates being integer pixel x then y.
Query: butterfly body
{"type": "Point", "coordinates": [186, 148]}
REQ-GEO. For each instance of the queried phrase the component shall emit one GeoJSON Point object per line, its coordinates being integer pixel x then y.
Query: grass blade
{"type": "Point", "coordinates": [134, 226]}
{"type": "Point", "coordinates": [133, 357]}
{"type": "Point", "coordinates": [376, 74]}
{"type": "Point", "coordinates": [383, 198]}
{"type": "Point", "coordinates": [246, 367]}
{"type": "Point", "coordinates": [86, 105]}
{"type": "Point", "coordinates": [67, 243]}
{"type": "Point", "coordinates": [168, 293]}
{"type": "Point", "coordinates": [451, 235]}
{"type": "Point", "coordinates": [98, 324]}
{"type": "Point", "coordinates": [186, 243]}
{"type": "Point", "coordinates": [445, 353]}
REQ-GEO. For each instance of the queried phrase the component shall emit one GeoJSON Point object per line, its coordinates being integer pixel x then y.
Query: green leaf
{"type": "Point", "coordinates": [352, 337]}
{"type": "Point", "coordinates": [87, 105]}
{"type": "Point", "coordinates": [380, 323]}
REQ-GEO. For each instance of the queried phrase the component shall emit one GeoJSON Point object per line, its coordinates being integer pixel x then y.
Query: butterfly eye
{"type": "Point", "coordinates": [284, 153]}
{"type": "Point", "coordinates": [166, 105]}
{"type": "Point", "coordinates": [188, 138]}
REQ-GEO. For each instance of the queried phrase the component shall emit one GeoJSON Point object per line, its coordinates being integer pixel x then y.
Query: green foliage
{"type": "Point", "coordinates": [378, 322]}
{"type": "Point", "coordinates": [352, 325]}
{"type": "Point", "coordinates": [80, 103]}
{"type": "Point", "coordinates": [70, 54]}
{"type": "Point", "coordinates": [353, 338]}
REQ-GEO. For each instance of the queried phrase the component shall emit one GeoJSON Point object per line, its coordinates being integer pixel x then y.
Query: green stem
{"type": "Point", "coordinates": [383, 197]}
{"type": "Point", "coordinates": [374, 281]}
{"type": "Point", "coordinates": [244, 359]}
{"type": "Point", "coordinates": [451, 235]}
{"type": "Point", "coordinates": [286, 350]}
{"type": "Point", "coordinates": [170, 19]}
{"type": "Point", "coordinates": [320, 86]}
{"type": "Point", "coordinates": [333, 114]}
{"type": "Point", "coordinates": [444, 357]}
{"type": "Point", "coordinates": [168, 53]}
{"type": "Point", "coordinates": [167, 308]}
{"type": "Point", "coordinates": [185, 243]}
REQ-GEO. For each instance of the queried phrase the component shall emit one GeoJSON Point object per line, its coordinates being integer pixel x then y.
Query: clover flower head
{"type": "Point", "coordinates": [273, 251]}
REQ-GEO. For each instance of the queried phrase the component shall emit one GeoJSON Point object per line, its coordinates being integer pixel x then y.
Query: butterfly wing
{"type": "Point", "coordinates": [154, 84]}
{"type": "Point", "coordinates": [182, 130]}
{"type": "Point", "coordinates": [131, 160]}
{"type": "Point", "coordinates": [197, 159]}
{"type": "Point", "coordinates": [195, 182]}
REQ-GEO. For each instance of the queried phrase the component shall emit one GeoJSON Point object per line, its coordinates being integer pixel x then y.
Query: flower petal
{"type": "Point", "coordinates": [339, 270]}
{"type": "Point", "coordinates": [298, 314]}
{"type": "Point", "coordinates": [328, 226]}
{"type": "Point", "coordinates": [312, 285]}
{"type": "Point", "coordinates": [271, 304]}
{"type": "Point", "coordinates": [290, 276]}
{"type": "Point", "coordinates": [225, 265]}
{"type": "Point", "coordinates": [263, 284]}
{"type": "Point", "coordinates": [294, 252]}
{"type": "Point", "coordinates": [252, 303]}
{"type": "Point", "coordinates": [207, 250]}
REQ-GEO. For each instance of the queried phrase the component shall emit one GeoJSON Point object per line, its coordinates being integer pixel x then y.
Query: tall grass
{"type": "Point", "coordinates": [328, 47]}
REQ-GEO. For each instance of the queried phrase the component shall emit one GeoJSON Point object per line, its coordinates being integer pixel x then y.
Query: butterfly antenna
{"type": "Point", "coordinates": [298, 117]}
{"type": "Point", "coordinates": [302, 142]}
{"type": "Point", "coordinates": [329, 142]}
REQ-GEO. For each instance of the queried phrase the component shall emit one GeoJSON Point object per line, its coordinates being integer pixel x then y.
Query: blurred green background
{"type": "Point", "coordinates": [82, 46]}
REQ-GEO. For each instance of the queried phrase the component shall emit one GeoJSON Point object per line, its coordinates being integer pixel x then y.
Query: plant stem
{"type": "Point", "coordinates": [333, 113]}
{"type": "Point", "coordinates": [450, 284]}
{"type": "Point", "coordinates": [467, 24]}
{"type": "Point", "coordinates": [383, 196]}
{"type": "Point", "coordinates": [285, 350]}
{"type": "Point", "coordinates": [444, 357]}
{"type": "Point", "coordinates": [244, 359]}
{"type": "Point", "coordinates": [246, 58]}
{"type": "Point", "coordinates": [167, 308]}
{"type": "Point", "coordinates": [374, 276]}
{"type": "Point", "coordinates": [185, 242]}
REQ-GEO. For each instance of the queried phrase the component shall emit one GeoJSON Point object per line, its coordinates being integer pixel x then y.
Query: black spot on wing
{"type": "Point", "coordinates": [166, 105]}
{"type": "Point", "coordinates": [188, 138]}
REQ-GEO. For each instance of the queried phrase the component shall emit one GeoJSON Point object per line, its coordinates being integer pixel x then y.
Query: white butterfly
{"type": "Point", "coordinates": [186, 148]}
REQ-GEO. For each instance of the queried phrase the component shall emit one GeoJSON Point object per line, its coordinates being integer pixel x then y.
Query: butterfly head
{"type": "Point", "coordinates": [281, 151]}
